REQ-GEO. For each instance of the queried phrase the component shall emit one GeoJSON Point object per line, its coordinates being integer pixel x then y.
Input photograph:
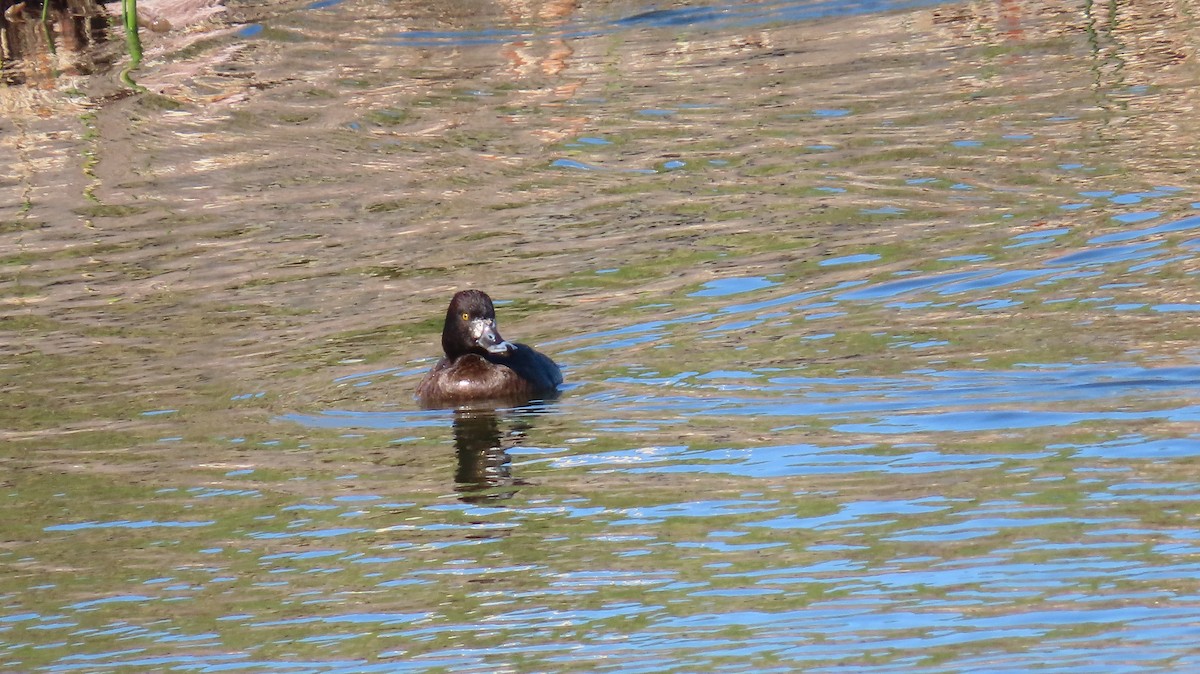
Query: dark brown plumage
{"type": "Point", "coordinates": [479, 365]}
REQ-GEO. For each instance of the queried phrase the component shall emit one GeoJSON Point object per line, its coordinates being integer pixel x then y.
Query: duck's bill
{"type": "Point", "coordinates": [485, 334]}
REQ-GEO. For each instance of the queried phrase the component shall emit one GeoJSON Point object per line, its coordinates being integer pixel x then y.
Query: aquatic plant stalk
{"type": "Point", "coordinates": [46, 26]}
{"type": "Point", "coordinates": [133, 41]}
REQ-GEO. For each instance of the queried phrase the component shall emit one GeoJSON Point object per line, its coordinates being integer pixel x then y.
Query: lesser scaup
{"type": "Point", "coordinates": [479, 365]}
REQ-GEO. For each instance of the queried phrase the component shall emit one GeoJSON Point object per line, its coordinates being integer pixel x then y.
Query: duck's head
{"type": "Point", "coordinates": [471, 326]}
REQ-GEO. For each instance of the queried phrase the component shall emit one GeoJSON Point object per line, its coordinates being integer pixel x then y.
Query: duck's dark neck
{"type": "Point", "coordinates": [452, 341]}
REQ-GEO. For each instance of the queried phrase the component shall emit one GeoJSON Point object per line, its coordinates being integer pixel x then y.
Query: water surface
{"type": "Point", "coordinates": [879, 325]}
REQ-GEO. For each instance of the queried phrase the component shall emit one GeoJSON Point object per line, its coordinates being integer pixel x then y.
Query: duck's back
{"type": "Point", "coordinates": [535, 367]}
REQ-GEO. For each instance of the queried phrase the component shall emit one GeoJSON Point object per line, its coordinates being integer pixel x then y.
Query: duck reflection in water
{"type": "Point", "coordinates": [484, 471]}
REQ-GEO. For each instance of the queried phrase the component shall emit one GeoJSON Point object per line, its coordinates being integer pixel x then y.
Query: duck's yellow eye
{"type": "Point", "coordinates": [466, 316]}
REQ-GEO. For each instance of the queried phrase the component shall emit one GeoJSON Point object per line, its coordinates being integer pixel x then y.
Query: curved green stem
{"type": "Point", "coordinates": [133, 41]}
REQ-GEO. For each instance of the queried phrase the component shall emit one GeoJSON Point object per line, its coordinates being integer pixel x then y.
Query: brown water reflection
{"type": "Point", "coordinates": [484, 470]}
{"type": "Point", "coordinates": [34, 53]}
{"type": "Point", "coordinates": [879, 334]}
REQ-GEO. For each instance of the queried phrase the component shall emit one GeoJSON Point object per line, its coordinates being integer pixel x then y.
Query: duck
{"type": "Point", "coordinates": [481, 366]}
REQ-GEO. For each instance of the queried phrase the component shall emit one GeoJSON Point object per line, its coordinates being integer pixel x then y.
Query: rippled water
{"type": "Point", "coordinates": [879, 325]}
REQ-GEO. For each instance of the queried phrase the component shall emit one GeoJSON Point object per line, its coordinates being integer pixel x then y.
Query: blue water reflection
{"type": "Point", "coordinates": [733, 286]}
{"type": "Point", "coordinates": [731, 15]}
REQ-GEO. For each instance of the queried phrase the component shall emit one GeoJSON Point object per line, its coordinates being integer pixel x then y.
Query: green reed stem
{"type": "Point", "coordinates": [133, 41]}
{"type": "Point", "coordinates": [46, 26]}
